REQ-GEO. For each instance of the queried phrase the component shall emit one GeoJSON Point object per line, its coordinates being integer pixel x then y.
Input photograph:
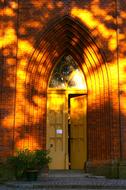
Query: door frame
{"type": "Point", "coordinates": [80, 137]}
{"type": "Point", "coordinates": [67, 93]}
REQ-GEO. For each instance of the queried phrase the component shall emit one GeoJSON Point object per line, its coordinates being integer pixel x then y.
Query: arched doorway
{"type": "Point", "coordinates": [68, 36]}
{"type": "Point", "coordinates": [66, 115]}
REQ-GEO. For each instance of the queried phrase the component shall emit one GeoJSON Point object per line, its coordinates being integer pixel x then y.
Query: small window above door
{"type": "Point", "coordinates": [67, 74]}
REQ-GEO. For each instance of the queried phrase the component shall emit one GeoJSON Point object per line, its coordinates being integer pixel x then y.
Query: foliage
{"type": "Point", "coordinates": [26, 159]}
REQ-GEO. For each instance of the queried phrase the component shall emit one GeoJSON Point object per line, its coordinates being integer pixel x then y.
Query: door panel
{"type": "Point", "coordinates": [78, 132]}
{"type": "Point", "coordinates": [56, 130]}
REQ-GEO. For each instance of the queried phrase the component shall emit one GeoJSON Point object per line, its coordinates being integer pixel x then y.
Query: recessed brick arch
{"type": "Point", "coordinates": [67, 35]}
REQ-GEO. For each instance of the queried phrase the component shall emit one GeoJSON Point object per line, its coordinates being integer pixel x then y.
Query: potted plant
{"type": "Point", "coordinates": [27, 164]}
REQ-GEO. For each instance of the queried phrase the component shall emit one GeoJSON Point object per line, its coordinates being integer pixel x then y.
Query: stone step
{"type": "Point", "coordinates": [59, 180]}
{"type": "Point", "coordinates": [68, 173]}
{"type": "Point", "coordinates": [69, 183]}
{"type": "Point", "coordinates": [60, 186]}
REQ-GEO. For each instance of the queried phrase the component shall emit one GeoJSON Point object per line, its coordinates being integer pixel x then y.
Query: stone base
{"type": "Point", "coordinates": [109, 169]}
{"type": "Point", "coordinates": [122, 169]}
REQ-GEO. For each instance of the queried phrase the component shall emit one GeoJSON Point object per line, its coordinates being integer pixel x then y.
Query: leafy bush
{"type": "Point", "coordinates": [26, 159]}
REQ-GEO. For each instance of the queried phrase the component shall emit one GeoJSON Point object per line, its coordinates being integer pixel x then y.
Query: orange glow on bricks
{"type": "Point", "coordinates": [33, 39]}
{"type": "Point", "coordinates": [27, 143]}
{"type": "Point", "coordinates": [89, 20]}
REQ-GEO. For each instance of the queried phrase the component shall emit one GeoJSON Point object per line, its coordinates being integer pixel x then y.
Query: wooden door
{"type": "Point", "coordinates": [56, 130]}
{"type": "Point", "coordinates": [78, 145]}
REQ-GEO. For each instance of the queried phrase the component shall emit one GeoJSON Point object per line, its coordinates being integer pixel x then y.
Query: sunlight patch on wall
{"type": "Point", "coordinates": [7, 37]}
{"type": "Point", "coordinates": [21, 75]}
{"type": "Point", "coordinates": [25, 48]}
{"type": "Point", "coordinates": [7, 122]}
{"type": "Point", "coordinates": [13, 4]}
{"type": "Point", "coordinates": [92, 23]}
{"type": "Point", "coordinates": [123, 14]}
{"type": "Point", "coordinates": [37, 100]}
{"type": "Point", "coordinates": [9, 12]}
{"type": "Point", "coordinates": [29, 142]}
{"type": "Point", "coordinates": [112, 43]}
{"type": "Point", "coordinates": [85, 16]}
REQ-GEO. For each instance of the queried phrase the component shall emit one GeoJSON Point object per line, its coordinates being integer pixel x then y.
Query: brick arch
{"type": "Point", "coordinates": [67, 35]}
{"type": "Point", "coordinates": [57, 39]}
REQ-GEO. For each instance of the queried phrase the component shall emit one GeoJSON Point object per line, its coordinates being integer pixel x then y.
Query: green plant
{"type": "Point", "coordinates": [25, 160]}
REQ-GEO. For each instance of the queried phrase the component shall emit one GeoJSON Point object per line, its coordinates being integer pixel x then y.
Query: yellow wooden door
{"type": "Point", "coordinates": [56, 130]}
{"type": "Point", "coordinates": [78, 144]}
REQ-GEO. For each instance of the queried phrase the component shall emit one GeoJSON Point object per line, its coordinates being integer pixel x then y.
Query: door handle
{"type": "Point", "coordinates": [51, 145]}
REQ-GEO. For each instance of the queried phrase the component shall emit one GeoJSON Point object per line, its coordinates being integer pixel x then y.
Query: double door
{"type": "Point", "coordinates": [66, 130]}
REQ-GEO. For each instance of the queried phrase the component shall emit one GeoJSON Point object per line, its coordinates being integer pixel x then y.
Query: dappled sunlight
{"type": "Point", "coordinates": [92, 60]}
{"type": "Point", "coordinates": [25, 48]}
{"type": "Point", "coordinates": [37, 100]}
{"type": "Point", "coordinates": [92, 23]}
{"type": "Point", "coordinates": [56, 101]}
{"type": "Point", "coordinates": [8, 37]}
{"type": "Point", "coordinates": [34, 38]}
{"type": "Point", "coordinates": [85, 16]}
{"type": "Point", "coordinates": [30, 114]}
{"type": "Point", "coordinates": [23, 107]}
{"type": "Point", "coordinates": [7, 122]}
{"type": "Point", "coordinates": [123, 15]}
{"type": "Point", "coordinates": [112, 44]}
{"type": "Point", "coordinates": [13, 5]}
{"type": "Point", "coordinates": [10, 61]}
{"type": "Point", "coordinates": [29, 142]}
{"type": "Point", "coordinates": [40, 56]}
{"type": "Point", "coordinates": [9, 12]}
{"type": "Point", "coordinates": [21, 75]}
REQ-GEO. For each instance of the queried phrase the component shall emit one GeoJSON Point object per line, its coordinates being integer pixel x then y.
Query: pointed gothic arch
{"type": "Point", "coordinates": [70, 35]}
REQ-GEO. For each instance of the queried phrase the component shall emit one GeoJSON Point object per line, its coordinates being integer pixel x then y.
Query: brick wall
{"type": "Point", "coordinates": [8, 59]}
{"type": "Point", "coordinates": [122, 77]}
{"type": "Point", "coordinates": [36, 33]}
